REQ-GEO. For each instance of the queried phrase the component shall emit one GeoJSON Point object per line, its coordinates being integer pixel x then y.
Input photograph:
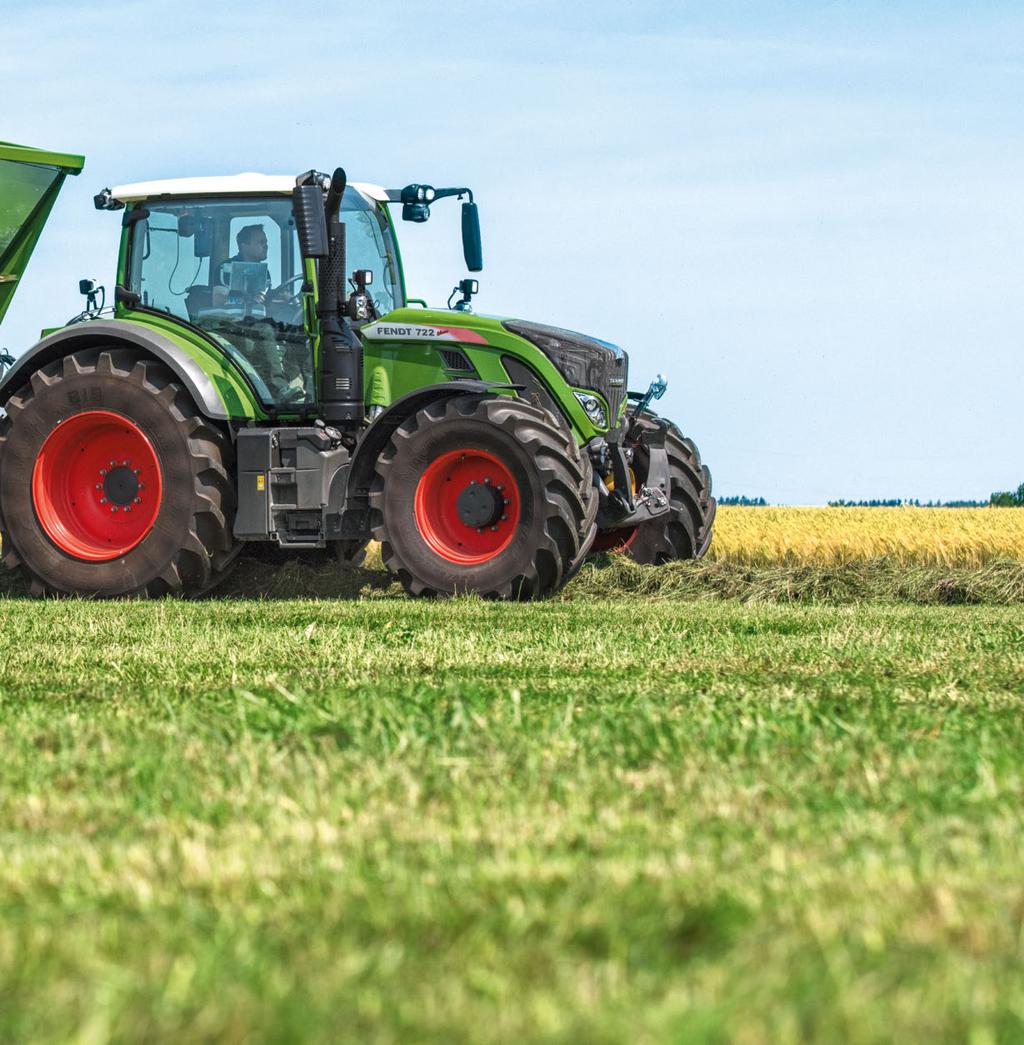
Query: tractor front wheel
{"type": "Point", "coordinates": [111, 483]}
{"type": "Point", "coordinates": [483, 494]}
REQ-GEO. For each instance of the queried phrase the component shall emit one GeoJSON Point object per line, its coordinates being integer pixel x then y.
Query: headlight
{"type": "Point", "coordinates": [594, 408]}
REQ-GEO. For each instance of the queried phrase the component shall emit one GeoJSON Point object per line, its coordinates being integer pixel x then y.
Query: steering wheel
{"type": "Point", "coordinates": [293, 296]}
{"type": "Point", "coordinates": [285, 306]}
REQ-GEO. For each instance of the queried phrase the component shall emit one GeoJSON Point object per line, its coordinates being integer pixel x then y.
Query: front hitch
{"type": "Point", "coordinates": [621, 507]}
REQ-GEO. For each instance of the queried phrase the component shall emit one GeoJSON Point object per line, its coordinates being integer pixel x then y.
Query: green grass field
{"type": "Point", "coordinates": [644, 819]}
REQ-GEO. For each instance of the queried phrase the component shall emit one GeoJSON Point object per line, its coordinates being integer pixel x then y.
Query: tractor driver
{"type": "Point", "coordinates": [252, 248]}
{"type": "Point", "coordinates": [252, 244]}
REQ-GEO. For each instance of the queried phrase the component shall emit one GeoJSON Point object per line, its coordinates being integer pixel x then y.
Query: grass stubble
{"type": "Point", "coordinates": [699, 810]}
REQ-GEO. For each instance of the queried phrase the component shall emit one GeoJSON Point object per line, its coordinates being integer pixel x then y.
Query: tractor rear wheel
{"type": "Point", "coordinates": [111, 483]}
{"type": "Point", "coordinates": [484, 494]}
{"type": "Point", "coordinates": [685, 531]}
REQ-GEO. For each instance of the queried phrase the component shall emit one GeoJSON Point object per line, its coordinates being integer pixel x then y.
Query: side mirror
{"type": "Point", "coordinates": [310, 220]}
{"type": "Point", "coordinates": [472, 248]}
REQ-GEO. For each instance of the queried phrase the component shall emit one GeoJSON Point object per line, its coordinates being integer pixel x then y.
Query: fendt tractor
{"type": "Point", "coordinates": [262, 375]}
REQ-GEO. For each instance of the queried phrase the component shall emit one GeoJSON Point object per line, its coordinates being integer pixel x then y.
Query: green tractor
{"type": "Point", "coordinates": [262, 376]}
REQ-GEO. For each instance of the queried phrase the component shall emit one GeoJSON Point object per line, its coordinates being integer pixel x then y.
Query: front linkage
{"type": "Point", "coordinates": [655, 494]}
{"type": "Point", "coordinates": [625, 503]}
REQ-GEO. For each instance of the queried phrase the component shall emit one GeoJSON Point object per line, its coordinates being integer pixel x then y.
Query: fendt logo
{"type": "Point", "coordinates": [415, 332]}
{"type": "Point", "coordinates": [382, 330]}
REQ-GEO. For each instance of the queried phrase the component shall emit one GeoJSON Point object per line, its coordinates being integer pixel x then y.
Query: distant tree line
{"type": "Point", "coordinates": [746, 502]}
{"type": "Point", "coordinates": [999, 499]}
{"type": "Point", "coordinates": [1008, 498]}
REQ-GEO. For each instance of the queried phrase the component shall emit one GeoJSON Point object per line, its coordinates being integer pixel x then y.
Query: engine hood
{"type": "Point", "coordinates": [584, 361]}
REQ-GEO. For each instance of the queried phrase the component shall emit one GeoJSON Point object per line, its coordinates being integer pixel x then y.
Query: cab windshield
{"type": "Point", "coordinates": [232, 267]}
{"type": "Point", "coordinates": [370, 245]}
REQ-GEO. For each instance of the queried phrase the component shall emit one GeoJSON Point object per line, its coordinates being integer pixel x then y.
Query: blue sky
{"type": "Point", "coordinates": [809, 216]}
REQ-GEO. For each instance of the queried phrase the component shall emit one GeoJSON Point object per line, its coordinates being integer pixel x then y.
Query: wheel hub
{"type": "Point", "coordinates": [480, 504]}
{"type": "Point", "coordinates": [121, 485]}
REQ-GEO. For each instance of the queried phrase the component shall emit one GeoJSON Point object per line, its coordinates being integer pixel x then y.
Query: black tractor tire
{"type": "Point", "coordinates": [188, 549]}
{"type": "Point", "coordinates": [685, 532]}
{"type": "Point", "coordinates": [547, 524]}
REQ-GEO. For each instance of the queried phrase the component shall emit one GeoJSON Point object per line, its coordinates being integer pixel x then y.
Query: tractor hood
{"type": "Point", "coordinates": [30, 180]}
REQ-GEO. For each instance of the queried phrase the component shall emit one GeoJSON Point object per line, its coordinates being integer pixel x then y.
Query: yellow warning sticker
{"type": "Point", "coordinates": [261, 483]}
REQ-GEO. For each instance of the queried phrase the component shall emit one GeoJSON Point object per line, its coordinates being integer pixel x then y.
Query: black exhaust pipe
{"type": "Point", "coordinates": [341, 352]}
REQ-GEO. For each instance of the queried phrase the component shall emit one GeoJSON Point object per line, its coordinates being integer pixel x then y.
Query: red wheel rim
{"type": "Point", "coordinates": [467, 506]}
{"type": "Point", "coordinates": [96, 486]}
{"type": "Point", "coordinates": [614, 540]}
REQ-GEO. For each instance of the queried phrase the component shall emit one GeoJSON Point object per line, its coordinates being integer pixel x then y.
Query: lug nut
{"type": "Point", "coordinates": [103, 500]}
{"type": "Point", "coordinates": [487, 482]}
{"type": "Point", "coordinates": [499, 488]}
{"type": "Point", "coordinates": [113, 508]}
{"type": "Point", "coordinates": [472, 482]}
{"type": "Point", "coordinates": [494, 529]}
{"type": "Point", "coordinates": [103, 471]}
{"type": "Point", "coordinates": [113, 464]}
{"type": "Point", "coordinates": [504, 518]}
{"type": "Point", "coordinates": [138, 500]}
{"type": "Point", "coordinates": [99, 486]}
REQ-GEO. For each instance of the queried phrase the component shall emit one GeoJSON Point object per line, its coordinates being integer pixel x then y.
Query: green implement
{"type": "Point", "coordinates": [30, 180]}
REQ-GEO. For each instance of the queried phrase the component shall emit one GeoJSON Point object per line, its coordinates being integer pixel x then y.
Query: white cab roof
{"type": "Point", "coordinates": [229, 185]}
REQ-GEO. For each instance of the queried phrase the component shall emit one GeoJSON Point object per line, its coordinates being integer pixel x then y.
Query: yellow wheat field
{"type": "Point", "coordinates": [827, 536]}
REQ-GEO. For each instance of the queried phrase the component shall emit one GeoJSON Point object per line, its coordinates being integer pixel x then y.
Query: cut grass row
{"type": "Point", "coordinates": [830, 555]}
{"type": "Point", "coordinates": [997, 583]}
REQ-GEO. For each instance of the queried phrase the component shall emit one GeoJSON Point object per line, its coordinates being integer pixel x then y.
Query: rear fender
{"type": "Point", "coordinates": [104, 334]}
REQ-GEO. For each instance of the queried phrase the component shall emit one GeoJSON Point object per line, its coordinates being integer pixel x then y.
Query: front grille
{"type": "Point", "coordinates": [583, 361]}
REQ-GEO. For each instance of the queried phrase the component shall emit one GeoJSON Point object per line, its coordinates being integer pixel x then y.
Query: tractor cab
{"type": "Point", "coordinates": [223, 255]}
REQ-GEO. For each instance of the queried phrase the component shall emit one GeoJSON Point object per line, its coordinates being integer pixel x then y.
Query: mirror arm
{"type": "Point", "coordinates": [440, 194]}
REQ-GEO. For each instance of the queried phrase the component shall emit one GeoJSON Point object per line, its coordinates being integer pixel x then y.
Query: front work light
{"type": "Point", "coordinates": [594, 409]}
